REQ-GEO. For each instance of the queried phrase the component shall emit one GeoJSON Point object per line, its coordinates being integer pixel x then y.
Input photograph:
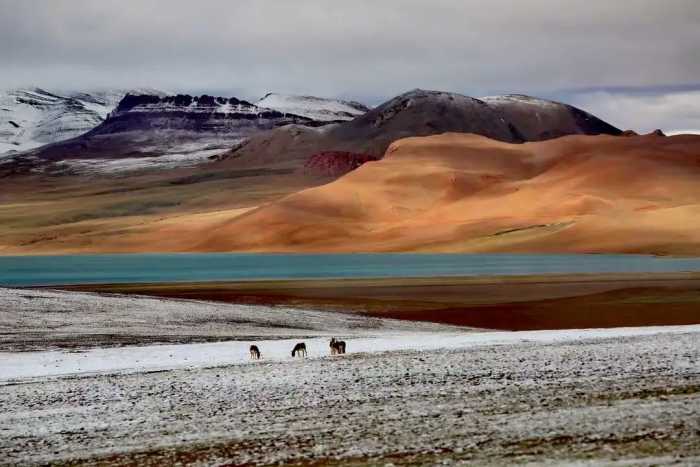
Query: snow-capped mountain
{"type": "Point", "coordinates": [183, 103]}
{"type": "Point", "coordinates": [33, 117]}
{"type": "Point", "coordinates": [316, 108]}
{"type": "Point", "coordinates": [202, 115]}
{"type": "Point", "coordinates": [149, 131]}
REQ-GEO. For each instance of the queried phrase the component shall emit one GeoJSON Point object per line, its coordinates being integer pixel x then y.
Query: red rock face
{"type": "Point", "coordinates": [335, 163]}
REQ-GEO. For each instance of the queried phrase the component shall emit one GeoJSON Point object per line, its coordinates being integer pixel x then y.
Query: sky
{"type": "Point", "coordinates": [635, 63]}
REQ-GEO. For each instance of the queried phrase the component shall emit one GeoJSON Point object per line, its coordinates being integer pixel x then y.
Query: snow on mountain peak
{"type": "Point", "coordinates": [32, 117]}
{"type": "Point", "coordinates": [316, 108]}
{"type": "Point", "coordinates": [508, 99]}
{"type": "Point", "coordinates": [148, 103]}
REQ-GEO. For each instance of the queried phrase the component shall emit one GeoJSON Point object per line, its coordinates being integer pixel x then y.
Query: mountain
{"type": "Point", "coordinates": [445, 193]}
{"type": "Point", "coordinates": [316, 108]}
{"type": "Point", "coordinates": [33, 117]}
{"type": "Point", "coordinates": [159, 174]}
{"type": "Point", "coordinates": [510, 118]}
{"type": "Point", "coordinates": [155, 132]}
{"type": "Point", "coordinates": [201, 114]}
{"type": "Point", "coordinates": [467, 193]}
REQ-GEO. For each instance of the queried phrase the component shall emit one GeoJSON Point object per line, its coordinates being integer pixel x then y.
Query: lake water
{"type": "Point", "coordinates": [84, 269]}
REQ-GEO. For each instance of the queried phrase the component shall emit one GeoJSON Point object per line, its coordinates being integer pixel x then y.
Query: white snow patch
{"type": "Point", "coordinates": [195, 107]}
{"type": "Point", "coordinates": [18, 366]}
{"type": "Point", "coordinates": [316, 108]}
{"type": "Point", "coordinates": [131, 164]}
{"type": "Point", "coordinates": [511, 98]}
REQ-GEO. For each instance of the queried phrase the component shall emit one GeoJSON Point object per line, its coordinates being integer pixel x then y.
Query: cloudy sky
{"type": "Point", "coordinates": [635, 63]}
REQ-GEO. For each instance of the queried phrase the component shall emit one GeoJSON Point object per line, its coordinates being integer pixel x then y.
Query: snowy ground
{"type": "Point", "coordinates": [132, 164]}
{"type": "Point", "coordinates": [162, 151]}
{"type": "Point", "coordinates": [404, 394]}
{"type": "Point", "coordinates": [171, 153]}
{"type": "Point", "coordinates": [24, 366]}
{"type": "Point", "coordinates": [36, 320]}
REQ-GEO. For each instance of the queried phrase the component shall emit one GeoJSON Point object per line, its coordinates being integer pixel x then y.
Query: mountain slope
{"type": "Point", "coordinates": [33, 117]}
{"type": "Point", "coordinates": [316, 108]}
{"type": "Point", "coordinates": [155, 131]}
{"type": "Point", "coordinates": [457, 192]}
{"type": "Point", "coordinates": [512, 118]}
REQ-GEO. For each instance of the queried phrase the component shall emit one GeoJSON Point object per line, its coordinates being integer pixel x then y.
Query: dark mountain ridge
{"type": "Point", "coordinates": [511, 118]}
{"type": "Point", "coordinates": [225, 116]}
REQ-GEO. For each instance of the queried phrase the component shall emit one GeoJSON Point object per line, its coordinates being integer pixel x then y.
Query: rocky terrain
{"type": "Point", "coordinates": [336, 163]}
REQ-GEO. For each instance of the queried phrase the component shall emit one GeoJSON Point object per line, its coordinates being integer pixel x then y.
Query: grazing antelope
{"type": "Point", "coordinates": [299, 349]}
{"type": "Point", "coordinates": [254, 352]}
{"type": "Point", "coordinates": [337, 347]}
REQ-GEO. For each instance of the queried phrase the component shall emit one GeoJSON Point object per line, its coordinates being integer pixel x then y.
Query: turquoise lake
{"type": "Point", "coordinates": [85, 269]}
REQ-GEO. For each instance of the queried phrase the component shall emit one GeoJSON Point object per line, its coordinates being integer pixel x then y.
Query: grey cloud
{"type": "Point", "coordinates": [364, 49]}
{"type": "Point", "coordinates": [644, 112]}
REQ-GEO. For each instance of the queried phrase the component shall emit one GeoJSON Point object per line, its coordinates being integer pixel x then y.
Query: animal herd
{"type": "Point", "coordinates": [337, 348]}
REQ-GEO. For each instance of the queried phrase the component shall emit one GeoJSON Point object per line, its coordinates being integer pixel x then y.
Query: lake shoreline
{"type": "Point", "coordinates": [549, 301]}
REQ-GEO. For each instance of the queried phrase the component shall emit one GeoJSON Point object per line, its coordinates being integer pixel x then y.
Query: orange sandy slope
{"type": "Point", "coordinates": [467, 193]}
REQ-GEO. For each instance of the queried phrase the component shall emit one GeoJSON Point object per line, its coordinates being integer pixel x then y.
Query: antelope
{"type": "Point", "coordinates": [299, 349]}
{"type": "Point", "coordinates": [254, 352]}
{"type": "Point", "coordinates": [337, 347]}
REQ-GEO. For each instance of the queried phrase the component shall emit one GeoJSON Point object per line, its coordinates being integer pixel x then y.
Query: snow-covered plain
{"type": "Point", "coordinates": [605, 401]}
{"type": "Point", "coordinates": [405, 393]}
{"type": "Point", "coordinates": [132, 359]}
